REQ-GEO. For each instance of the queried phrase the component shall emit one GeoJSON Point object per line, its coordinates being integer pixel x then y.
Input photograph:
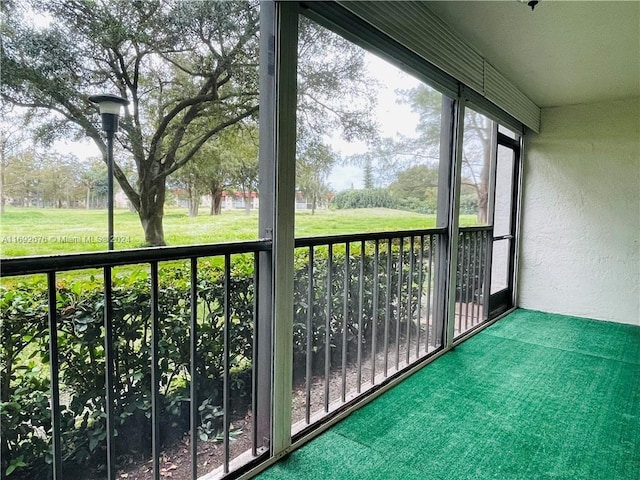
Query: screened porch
{"type": "Point", "coordinates": [499, 340]}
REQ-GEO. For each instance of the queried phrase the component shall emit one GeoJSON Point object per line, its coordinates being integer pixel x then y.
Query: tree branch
{"type": "Point", "coordinates": [187, 157]}
{"type": "Point", "coordinates": [175, 111]}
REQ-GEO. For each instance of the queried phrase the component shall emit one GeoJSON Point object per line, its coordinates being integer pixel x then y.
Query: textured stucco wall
{"type": "Point", "coordinates": [580, 237]}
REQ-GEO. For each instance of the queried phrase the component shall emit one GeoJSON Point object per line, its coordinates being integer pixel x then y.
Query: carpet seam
{"type": "Point", "coordinates": [381, 452]}
{"type": "Point", "coordinates": [586, 354]}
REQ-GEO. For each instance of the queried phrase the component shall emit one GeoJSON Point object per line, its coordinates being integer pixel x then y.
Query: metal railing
{"type": "Point", "coordinates": [368, 308]}
{"type": "Point", "coordinates": [214, 311]}
{"type": "Point", "coordinates": [472, 293]}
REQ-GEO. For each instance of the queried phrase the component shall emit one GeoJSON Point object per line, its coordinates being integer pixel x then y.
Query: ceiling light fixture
{"type": "Point", "coordinates": [530, 3]}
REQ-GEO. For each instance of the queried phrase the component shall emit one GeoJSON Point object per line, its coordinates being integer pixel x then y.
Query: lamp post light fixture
{"type": "Point", "coordinates": [109, 106]}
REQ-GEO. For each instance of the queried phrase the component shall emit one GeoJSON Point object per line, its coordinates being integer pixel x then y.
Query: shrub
{"type": "Point", "coordinates": [24, 407]}
{"type": "Point", "coordinates": [364, 198]}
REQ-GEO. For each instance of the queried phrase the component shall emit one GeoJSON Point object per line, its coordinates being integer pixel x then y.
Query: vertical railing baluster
{"type": "Point", "coordinates": [410, 297]}
{"type": "Point", "coordinates": [193, 365]}
{"type": "Point", "coordinates": [481, 277]}
{"type": "Point", "coordinates": [155, 372]}
{"type": "Point", "coordinates": [345, 316]}
{"type": "Point", "coordinates": [461, 281]}
{"type": "Point", "coordinates": [469, 293]}
{"type": "Point", "coordinates": [481, 281]}
{"type": "Point", "coordinates": [109, 374]}
{"type": "Point", "coordinates": [480, 285]}
{"type": "Point", "coordinates": [399, 303]}
{"type": "Point", "coordinates": [474, 256]}
{"type": "Point", "coordinates": [254, 357]}
{"type": "Point", "coordinates": [374, 316]}
{"type": "Point", "coordinates": [436, 304]}
{"type": "Point", "coordinates": [430, 317]}
{"type": "Point", "coordinates": [476, 268]}
{"type": "Point", "coordinates": [486, 286]}
{"type": "Point", "coordinates": [387, 313]}
{"type": "Point", "coordinates": [360, 318]}
{"type": "Point", "coordinates": [468, 269]}
{"type": "Point", "coordinates": [486, 266]}
{"type": "Point", "coordinates": [463, 285]}
{"type": "Point", "coordinates": [327, 326]}
{"type": "Point", "coordinates": [54, 366]}
{"type": "Point", "coordinates": [420, 292]}
{"type": "Point", "coordinates": [225, 360]}
{"type": "Point", "coordinates": [310, 303]}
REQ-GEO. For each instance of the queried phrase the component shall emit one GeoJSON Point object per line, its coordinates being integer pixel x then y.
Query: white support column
{"type": "Point", "coordinates": [443, 217]}
{"type": "Point", "coordinates": [491, 204]}
{"type": "Point", "coordinates": [518, 219]}
{"type": "Point", "coordinates": [263, 363]}
{"type": "Point", "coordinates": [286, 41]}
{"type": "Point", "coordinates": [454, 221]}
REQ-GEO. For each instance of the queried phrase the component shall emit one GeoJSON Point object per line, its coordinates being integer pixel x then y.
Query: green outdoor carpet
{"type": "Point", "coordinates": [535, 396]}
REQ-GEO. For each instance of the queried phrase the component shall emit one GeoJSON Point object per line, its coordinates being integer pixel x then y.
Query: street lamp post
{"type": "Point", "coordinates": [109, 106]}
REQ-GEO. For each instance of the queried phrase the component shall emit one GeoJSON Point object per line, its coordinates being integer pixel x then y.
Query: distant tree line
{"type": "Point", "coordinates": [33, 179]}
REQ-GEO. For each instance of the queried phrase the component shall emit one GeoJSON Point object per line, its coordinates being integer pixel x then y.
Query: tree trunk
{"type": "Point", "coordinates": [482, 208]}
{"type": "Point", "coordinates": [216, 198]}
{"type": "Point", "coordinates": [87, 205]}
{"type": "Point", "coordinates": [194, 201]}
{"type": "Point", "coordinates": [483, 188]}
{"type": "Point", "coordinates": [153, 229]}
{"type": "Point", "coordinates": [217, 204]}
{"type": "Point", "coordinates": [151, 212]}
{"type": "Point", "coordinates": [247, 203]}
{"type": "Point", "coordinates": [193, 208]}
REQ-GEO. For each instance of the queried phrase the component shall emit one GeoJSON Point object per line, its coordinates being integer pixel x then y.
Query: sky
{"type": "Point", "coordinates": [393, 118]}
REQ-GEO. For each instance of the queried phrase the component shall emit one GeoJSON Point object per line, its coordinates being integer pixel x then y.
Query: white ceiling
{"type": "Point", "coordinates": [562, 53]}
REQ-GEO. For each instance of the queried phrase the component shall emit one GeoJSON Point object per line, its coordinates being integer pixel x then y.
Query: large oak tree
{"type": "Point", "coordinates": [189, 70]}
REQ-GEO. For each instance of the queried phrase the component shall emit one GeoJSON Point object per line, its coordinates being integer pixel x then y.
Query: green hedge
{"type": "Point", "coordinates": [363, 198]}
{"type": "Point", "coordinates": [25, 410]}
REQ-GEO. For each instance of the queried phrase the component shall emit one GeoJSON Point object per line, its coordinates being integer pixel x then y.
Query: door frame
{"type": "Point", "coordinates": [503, 300]}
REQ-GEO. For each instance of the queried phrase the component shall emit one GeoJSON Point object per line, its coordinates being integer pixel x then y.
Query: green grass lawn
{"type": "Point", "coordinates": [40, 231]}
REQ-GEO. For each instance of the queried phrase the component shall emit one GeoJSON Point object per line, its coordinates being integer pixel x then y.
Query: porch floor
{"type": "Point", "coordinates": [535, 396]}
